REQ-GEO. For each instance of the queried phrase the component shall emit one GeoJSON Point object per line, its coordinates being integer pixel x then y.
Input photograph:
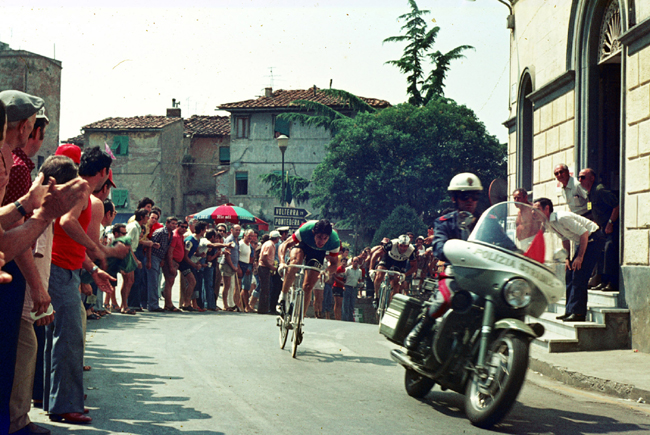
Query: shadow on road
{"type": "Point", "coordinates": [125, 398]}
{"type": "Point", "coordinates": [316, 356]}
{"type": "Point", "coordinates": [527, 420]}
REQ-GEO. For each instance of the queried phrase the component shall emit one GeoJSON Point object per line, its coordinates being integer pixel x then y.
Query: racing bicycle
{"type": "Point", "coordinates": [293, 317]}
{"type": "Point", "coordinates": [385, 290]}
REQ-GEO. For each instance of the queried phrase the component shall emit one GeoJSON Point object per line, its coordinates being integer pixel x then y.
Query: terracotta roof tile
{"type": "Point", "coordinates": [133, 123]}
{"type": "Point", "coordinates": [207, 126]}
{"type": "Point", "coordinates": [283, 98]}
{"type": "Point", "coordinates": [77, 140]}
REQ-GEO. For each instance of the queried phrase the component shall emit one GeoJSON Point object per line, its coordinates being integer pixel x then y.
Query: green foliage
{"type": "Point", "coordinates": [321, 115]}
{"type": "Point", "coordinates": [403, 155]}
{"type": "Point", "coordinates": [401, 220]}
{"type": "Point", "coordinates": [296, 185]}
{"type": "Point", "coordinates": [420, 43]}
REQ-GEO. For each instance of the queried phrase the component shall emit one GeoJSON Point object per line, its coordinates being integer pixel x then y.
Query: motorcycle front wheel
{"type": "Point", "coordinates": [488, 400]}
{"type": "Point", "coordinates": [417, 385]}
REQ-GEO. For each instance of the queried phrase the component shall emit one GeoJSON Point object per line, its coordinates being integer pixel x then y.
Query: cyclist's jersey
{"type": "Point", "coordinates": [392, 249]}
{"type": "Point", "coordinates": [305, 235]}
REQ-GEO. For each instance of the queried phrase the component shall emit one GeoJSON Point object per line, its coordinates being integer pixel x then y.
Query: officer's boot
{"type": "Point", "coordinates": [416, 335]}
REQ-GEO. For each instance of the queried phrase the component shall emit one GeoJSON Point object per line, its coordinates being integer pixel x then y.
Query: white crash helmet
{"type": "Point", "coordinates": [465, 182]}
{"type": "Point", "coordinates": [404, 240]}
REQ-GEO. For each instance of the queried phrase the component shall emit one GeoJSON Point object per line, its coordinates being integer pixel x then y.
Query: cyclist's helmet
{"type": "Point", "coordinates": [404, 240]}
{"type": "Point", "coordinates": [465, 182]}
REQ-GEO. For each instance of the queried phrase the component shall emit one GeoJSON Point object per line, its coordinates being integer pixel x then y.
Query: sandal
{"type": "Point", "coordinates": [172, 309]}
{"type": "Point", "coordinates": [93, 316]}
{"type": "Point", "coordinates": [129, 311]}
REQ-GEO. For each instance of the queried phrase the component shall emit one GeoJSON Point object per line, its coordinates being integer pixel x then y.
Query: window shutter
{"type": "Point", "coordinates": [224, 154]}
{"type": "Point", "coordinates": [282, 126]}
{"type": "Point", "coordinates": [120, 197]}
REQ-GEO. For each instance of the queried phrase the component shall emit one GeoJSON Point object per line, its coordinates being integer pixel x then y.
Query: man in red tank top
{"type": "Point", "coordinates": [63, 358]}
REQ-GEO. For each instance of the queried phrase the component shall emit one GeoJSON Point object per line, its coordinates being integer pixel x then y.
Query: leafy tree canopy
{"type": "Point", "coordinates": [403, 155]}
{"type": "Point", "coordinates": [296, 187]}
{"type": "Point", "coordinates": [401, 220]}
{"type": "Point", "coordinates": [420, 41]}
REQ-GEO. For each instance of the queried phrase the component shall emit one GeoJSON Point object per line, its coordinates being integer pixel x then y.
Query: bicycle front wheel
{"type": "Point", "coordinates": [297, 327]}
{"type": "Point", "coordinates": [284, 333]}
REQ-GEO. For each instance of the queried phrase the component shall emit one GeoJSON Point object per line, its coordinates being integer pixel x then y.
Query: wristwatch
{"type": "Point", "coordinates": [95, 269]}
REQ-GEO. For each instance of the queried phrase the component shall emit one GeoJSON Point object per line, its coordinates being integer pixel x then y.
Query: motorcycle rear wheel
{"type": "Point", "coordinates": [417, 385]}
{"type": "Point", "coordinates": [488, 400]}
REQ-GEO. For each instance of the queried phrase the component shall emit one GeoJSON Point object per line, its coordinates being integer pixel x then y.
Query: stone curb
{"type": "Point", "coordinates": [591, 383]}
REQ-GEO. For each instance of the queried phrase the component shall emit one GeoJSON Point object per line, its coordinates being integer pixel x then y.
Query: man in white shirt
{"type": "Point", "coordinates": [574, 195]}
{"type": "Point", "coordinates": [589, 245]}
{"type": "Point", "coordinates": [353, 277]}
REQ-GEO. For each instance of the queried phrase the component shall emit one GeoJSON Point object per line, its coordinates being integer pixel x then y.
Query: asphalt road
{"type": "Point", "coordinates": [214, 373]}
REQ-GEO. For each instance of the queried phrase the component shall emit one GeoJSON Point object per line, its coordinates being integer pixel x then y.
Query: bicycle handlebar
{"type": "Point", "coordinates": [402, 274]}
{"type": "Point", "coordinates": [303, 267]}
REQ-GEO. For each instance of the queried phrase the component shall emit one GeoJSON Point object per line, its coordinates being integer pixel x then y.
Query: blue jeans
{"type": "Point", "coordinates": [246, 279]}
{"type": "Point", "coordinates": [208, 288]}
{"type": "Point", "coordinates": [138, 295]}
{"type": "Point", "coordinates": [64, 345]}
{"type": "Point", "coordinates": [577, 280]}
{"type": "Point", "coordinates": [12, 296]}
{"type": "Point", "coordinates": [198, 288]}
{"type": "Point", "coordinates": [152, 283]}
{"type": "Point", "coordinates": [349, 296]}
{"type": "Point", "coordinates": [328, 299]}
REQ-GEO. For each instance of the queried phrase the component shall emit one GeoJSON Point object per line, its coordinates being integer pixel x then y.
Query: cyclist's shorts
{"type": "Point", "coordinates": [390, 263]}
{"type": "Point", "coordinates": [313, 257]}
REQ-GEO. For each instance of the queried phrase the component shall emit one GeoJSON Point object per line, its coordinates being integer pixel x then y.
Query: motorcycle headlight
{"type": "Point", "coordinates": [517, 293]}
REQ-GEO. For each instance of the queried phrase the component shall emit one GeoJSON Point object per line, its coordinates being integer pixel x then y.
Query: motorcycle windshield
{"type": "Point", "coordinates": [521, 229]}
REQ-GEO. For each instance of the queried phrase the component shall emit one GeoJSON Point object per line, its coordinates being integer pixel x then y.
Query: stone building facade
{"type": "Point", "coordinates": [148, 151]}
{"type": "Point", "coordinates": [36, 75]}
{"type": "Point", "coordinates": [580, 95]}
{"type": "Point", "coordinates": [254, 149]}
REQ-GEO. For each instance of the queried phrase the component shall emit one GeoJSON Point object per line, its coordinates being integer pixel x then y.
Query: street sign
{"type": "Point", "coordinates": [291, 212]}
{"type": "Point", "coordinates": [287, 222]}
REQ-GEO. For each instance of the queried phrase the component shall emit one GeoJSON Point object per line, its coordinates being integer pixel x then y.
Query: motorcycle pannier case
{"type": "Point", "coordinates": [400, 318]}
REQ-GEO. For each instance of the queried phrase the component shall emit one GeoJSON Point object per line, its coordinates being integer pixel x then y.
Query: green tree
{"type": "Point", "coordinates": [412, 63]}
{"type": "Point", "coordinates": [401, 220]}
{"type": "Point", "coordinates": [294, 184]}
{"type": "Point", "coordinates": [315, 114]}
{"type": "Point", "coordinates": [403, 155]}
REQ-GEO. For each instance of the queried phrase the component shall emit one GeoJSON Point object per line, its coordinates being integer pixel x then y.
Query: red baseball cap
{"type": "Point", "coordinates": [69, 150]}
{"type": "Point", "coordinates": [110, 178]}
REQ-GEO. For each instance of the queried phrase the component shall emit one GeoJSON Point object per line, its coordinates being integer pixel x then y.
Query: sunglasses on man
{"type": "Point", "coordinates": [466, 196]}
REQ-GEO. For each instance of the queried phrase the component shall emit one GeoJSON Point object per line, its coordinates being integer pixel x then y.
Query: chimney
{"type": "Point", "coordinates": [174, 111]}
{"type": "Point", "coordinates": [315, 90]}
{"type": "Point", "coordinates": [268, 92]}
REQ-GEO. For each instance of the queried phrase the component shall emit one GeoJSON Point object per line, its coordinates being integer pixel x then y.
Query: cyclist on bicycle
{"type": "Point", "coordinates": [397, 254]}
{"type": "Point", "coordinates": [310, 243]}
{"type": "Point", "coordinates": [465, 190]}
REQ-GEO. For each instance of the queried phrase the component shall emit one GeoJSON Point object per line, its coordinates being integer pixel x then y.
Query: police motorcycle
{"type": "Point", "coordinates": [480, 346]}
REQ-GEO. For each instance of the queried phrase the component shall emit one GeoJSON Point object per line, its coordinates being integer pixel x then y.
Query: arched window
{"type": "Point", "coordinates": [525, 133]}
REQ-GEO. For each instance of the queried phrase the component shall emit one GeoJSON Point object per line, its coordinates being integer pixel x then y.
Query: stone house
{"type": "Point", "coordinates": [166, 158]}
{"type": "Point", "coordinates": [36, 75]}
{"type": "Point", "coordinates": [207, 145]}
{"type": "Point", "coordinates": [148, 151]}
{"type": "Point", "coordinates": [254, 150]}
{"type": "Point", "coordinates": [580, 95]}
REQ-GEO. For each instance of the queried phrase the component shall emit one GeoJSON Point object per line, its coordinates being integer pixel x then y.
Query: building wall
{"type": "Point", "coordinates": [35, 75]}
{"type": "Point", "coordinates": [260, 155]}
{"type": "Point", "coordinates": [152, 167]}
{"type": "Point", "coordinates": [200, 185]}
{"type": "Point", "coordinates": [540, 46]}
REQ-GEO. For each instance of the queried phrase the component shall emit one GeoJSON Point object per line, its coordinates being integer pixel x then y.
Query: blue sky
{"type": "Point", "coordinates": [134, 57]}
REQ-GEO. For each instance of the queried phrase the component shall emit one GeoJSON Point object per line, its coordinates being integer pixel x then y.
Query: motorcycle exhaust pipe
{"type": "Point", "coordinates": [402, 359]}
